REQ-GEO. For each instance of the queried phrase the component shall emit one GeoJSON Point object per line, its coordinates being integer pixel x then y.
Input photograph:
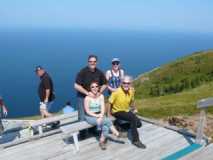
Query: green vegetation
{"type": "Point", "coordinates": [183, 103]}
{"type": "Point", "coordinates": [175, 88]}
{"type": "Point", "coordinates": [183, 74]}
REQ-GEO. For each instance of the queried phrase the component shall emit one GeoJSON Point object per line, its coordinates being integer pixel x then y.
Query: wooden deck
{"type": "Point", "coordinates": [160, 143]}
{"type": "Point", "coordinates": [205, 153]}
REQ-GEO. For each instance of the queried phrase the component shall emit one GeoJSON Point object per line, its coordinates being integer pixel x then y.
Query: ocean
{"type": "Point", "coordinates": [64, 52]}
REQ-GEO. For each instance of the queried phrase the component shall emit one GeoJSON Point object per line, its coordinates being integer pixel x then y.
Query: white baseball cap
{"type": "Point", "coordinates": [115, 60]}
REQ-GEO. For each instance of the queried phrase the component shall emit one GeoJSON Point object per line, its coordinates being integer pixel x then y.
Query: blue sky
{"type": "Point", "coordinates": [179, 15]}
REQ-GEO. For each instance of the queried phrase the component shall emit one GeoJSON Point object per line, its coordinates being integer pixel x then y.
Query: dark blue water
{"type": "Point", "coordinates": [63, 53]}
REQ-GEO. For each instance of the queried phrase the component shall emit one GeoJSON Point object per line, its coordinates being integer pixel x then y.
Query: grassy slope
{"type": "Point", "coordinates": [185, 73]}
{"type": "Point", "coordinates": [183, 103]}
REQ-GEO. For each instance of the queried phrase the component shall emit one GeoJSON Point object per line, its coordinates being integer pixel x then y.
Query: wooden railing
{"type": "Point", "coordinates": [202, 104]}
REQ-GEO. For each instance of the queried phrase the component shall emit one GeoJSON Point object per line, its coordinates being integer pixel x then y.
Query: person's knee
{"type": "Point", "coordinates": [107, 122]}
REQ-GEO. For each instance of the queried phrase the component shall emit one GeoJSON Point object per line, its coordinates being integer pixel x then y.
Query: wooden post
{"type": "Point", "coordinates": [75, 139]}
{"type": "Point", "coordinates": [202, 104]}
{"type": "Point", "coordinates": [40, 130]}
{"type": "Point", "coordinates": [201, 125]}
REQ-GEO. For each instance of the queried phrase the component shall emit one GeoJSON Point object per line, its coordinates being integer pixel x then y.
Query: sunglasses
{"type": "Point", "coordinates": [115, 63]}
{"type": "Point", "coordinates": [128, 83]}
{"type": "Point", "coordinates": [92, 61]}
{"type": "Point", "coordinates": [94, 86]}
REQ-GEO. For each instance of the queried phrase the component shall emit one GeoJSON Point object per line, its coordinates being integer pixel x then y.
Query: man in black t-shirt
{"type": "Point", "coordinates": [83, 80]}
{"type": "Point", "coordinates": [45, 91]}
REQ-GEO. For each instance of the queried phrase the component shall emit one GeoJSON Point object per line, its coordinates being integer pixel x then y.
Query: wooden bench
{"type": "Point", "coordinates": [73, 130]}
{"type": "Point", "coordinates": [39, 123]}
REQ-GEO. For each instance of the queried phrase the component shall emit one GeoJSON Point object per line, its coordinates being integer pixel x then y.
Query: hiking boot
{"type": "Point", "coordinates": [102, 145]}
{"type": "Point", "coordinates": [139, 144]}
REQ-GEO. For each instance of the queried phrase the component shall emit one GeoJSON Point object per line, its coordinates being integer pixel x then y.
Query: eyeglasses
{"type": "Point", "coordinates": [92, 61]}
{"type": "Point", "coordinates": [94, 86]}
{"type": "Point", "coordinates": [128, 83]}
{"type": "Point", "coordinates": [115, 63]}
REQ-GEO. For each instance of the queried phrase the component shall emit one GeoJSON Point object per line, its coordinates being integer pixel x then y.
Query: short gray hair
{"type": "Point", "coordinates": [127, 78]}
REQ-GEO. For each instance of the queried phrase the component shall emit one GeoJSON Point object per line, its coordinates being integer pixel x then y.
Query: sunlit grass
{"type": "Point", "coordinates": [183, 103]}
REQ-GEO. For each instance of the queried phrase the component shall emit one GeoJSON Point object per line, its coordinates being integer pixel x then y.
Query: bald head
{"type": "Point", "coordinates": [127, 78]}
{"type": "Point", "coordinates": [126, 82]}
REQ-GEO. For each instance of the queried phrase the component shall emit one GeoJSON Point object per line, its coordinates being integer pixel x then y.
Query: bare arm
{"type": "Point", "coordinates": [109, 111]}
{"type": "Point", "coordinates": [47, 95]}
{"type": "Point", "coordinates": [81, 89]}
{"type": "Point", "coordinates": [4, 109]}
{"type": "Point", "coordinates": [111, 89]}
{"type": "Point", "coordinates": [103, 87]}
{"type": "Point", "coordinates": [133, 106]}
{"type": "Point", "coordinates": [107, 75]}
{"type": "Point", "coordinates": [102, 105]}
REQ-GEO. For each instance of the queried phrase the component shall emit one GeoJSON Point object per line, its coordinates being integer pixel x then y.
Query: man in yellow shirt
{"type": "Point", "coordinates": [120, 101]}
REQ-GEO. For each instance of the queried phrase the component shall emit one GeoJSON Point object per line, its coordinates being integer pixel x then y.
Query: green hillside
{"type": "Point", "coordinates": [183, 74]}
{"type": "Point", "coordinates": [183, 103]}
{"type": "Point", "coordinates": [173, 89]}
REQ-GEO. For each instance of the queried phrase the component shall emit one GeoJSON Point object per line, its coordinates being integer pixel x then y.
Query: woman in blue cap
{"type": "Point", "coordinates": [114, 75]}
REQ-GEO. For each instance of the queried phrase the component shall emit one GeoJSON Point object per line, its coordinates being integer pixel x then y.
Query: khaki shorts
{"type": "Point", "coordinates": [43, 106]}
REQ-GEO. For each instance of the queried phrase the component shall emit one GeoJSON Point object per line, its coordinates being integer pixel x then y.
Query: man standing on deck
{"type": "Point", "coordinates": [83, 80]}
{"type": "Point", "coordinates": [45, 91]}
{"type": "Point", "coordinates": [3, 111]}
{"type": "Point", "coordinates": [122, 108]}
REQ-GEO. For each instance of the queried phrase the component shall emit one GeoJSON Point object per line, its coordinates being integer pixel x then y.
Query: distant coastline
{"type": "Point", "coordinates": [139, 52]}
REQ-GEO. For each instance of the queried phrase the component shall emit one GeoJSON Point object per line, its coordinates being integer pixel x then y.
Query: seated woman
{"type": "Point", "coordinates": [95, 109]}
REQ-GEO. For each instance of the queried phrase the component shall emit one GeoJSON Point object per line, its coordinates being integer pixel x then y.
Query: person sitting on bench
{"type": "Point", "coordinates": [120, 102]}
{"type": "Point", "coordinates": [95, 109]}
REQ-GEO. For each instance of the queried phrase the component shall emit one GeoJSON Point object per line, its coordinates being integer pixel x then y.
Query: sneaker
{"type": "Point", "coordinates": [55, 125]}
{"type": "Point", "coordinates": [102, 145]}
{"type": "Point", "coordinates": [139, 144]}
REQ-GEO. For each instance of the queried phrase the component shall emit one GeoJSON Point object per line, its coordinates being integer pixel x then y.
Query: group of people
{"type": "Point", "coordinates": [90, 84]}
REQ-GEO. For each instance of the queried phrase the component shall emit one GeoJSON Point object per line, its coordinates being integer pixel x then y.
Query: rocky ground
{"type": "Point", "coordinates": [191, 123]}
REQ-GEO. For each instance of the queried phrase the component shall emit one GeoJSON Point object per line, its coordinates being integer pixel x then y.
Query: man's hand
{"type": "Point", "coordinates": [100, 115]}
{"type": "Point", "coordinates": [100, 120]}
{"type": "Point", "coordinates": [90, 94]}
{"type": "Point", "coordinates": [135, 111]}
{"type": "Point", "coordinates": [5, 112]}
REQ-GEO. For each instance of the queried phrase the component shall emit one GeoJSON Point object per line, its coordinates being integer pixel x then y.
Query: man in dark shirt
{"type": "Point", "coordinates": [45, 91]}
{"type": "Point", "coordinates": [83, 80]}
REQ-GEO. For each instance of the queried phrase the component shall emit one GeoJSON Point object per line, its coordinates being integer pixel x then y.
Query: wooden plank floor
{"type": "Point", "coordinates": [205, 153]}
{"type": "Point", "coordinates": [160, 142]}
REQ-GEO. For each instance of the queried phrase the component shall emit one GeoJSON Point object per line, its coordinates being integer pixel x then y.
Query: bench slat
{"type": "Point", "coordinates": [53, 119]}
